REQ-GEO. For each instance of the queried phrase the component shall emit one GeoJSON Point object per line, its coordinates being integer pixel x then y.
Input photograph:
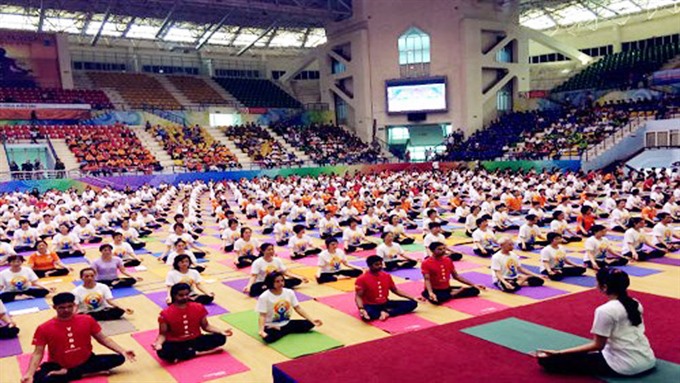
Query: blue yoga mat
{"type": "Point", "coordinates": [23, 304]}
{"type": "Point", "coordinates": [635, 271]}
{"type": "Point", "coordinates": [581, 280]}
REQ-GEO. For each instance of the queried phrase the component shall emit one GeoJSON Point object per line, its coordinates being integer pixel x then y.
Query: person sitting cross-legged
{"type": "Point", "coordinates": [437, 270]}
{"type": "Point", "coordinates": [372, 292]}
{"type": "Point", "coordinates": [180, 324]}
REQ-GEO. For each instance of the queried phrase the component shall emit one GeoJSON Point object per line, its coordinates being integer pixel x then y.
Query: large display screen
{"type": "Point", "coordinates": [422, 95]}
{"type": "Point", "coordinates": [28, 60]}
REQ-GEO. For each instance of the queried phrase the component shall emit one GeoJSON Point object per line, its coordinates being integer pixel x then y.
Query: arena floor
{"type": "Point", "coordinates": [246, 359]}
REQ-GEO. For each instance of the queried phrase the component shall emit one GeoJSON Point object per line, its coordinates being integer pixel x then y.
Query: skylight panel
{"type": "Point", "coordinates": [58, 24]}
{"type": "Point", "coordinates": [21, 22]}
{"type": "Point", "coordinates": [180, 34]}
{"type": "Point", "coordinates": [539, 22]}
{"type": "Point", "coordinates": [287, 39]}
{"type": "Point", "coordinates": [623, 7]}
{"type": "Point", "coordinates": [573, 14]}
{"type": "Point", "coordinates": [316, 37]}
{"type": "Point", "coordinates": [141, 31]}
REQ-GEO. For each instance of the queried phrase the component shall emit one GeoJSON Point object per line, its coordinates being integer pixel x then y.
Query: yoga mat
{"type": "Point", "coordinates": [9, 347]}
{"type": "Point", "coordinates": [292, 345]}
{"type": "Point", "coordinates": [475, 306]}
{"type": "Point", "coordinates": [346, 284]}
{"type": "Point", "coordinates": [239, 284]}
{"type": "Point", "coordinates": [581, 280]}
{"type": "Point", "coordinates": [666, 261]}
{"type": "Point", "coordinates": [73, 260]}
{"type": "Point", "coordinates": [200, 369]}
{"type": "Point", "coordinates": [410, 274]}
{"type": "Point", "coordinates": [24, 304]}
{"type": "Point", "coordinates": [158, 298]}
{"type": "Point", "coordinates": [124, 292]}
{"type": "Point", "coordinates": [540, 292]}
{"type": "Point", "coordinates": [630, 270]}
{"type": "Point", "coordinates": [25, 359]}
{"type": "Point", "coordinates": [413, 247]}
{"type": "Point", "coordinates": [526, 337]}
{"type": "Point", "coordinates": [465, 265]}
{"type": "Point", "coordinates": [397, 325]}
{"type": "Point", "coordinates": [523, 336]}
{"type": "Point", "coordinates": [117, 327]}
{"type": "Point", "coordinates": [230, 264]}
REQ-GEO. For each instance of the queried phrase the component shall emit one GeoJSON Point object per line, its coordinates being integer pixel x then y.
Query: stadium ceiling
{"type": "Point", "coordinates": [234, 23]}
{"type": "Point", "coordinates": [242, 24]}
{"type": "Point", "coordinates": [551, 14]}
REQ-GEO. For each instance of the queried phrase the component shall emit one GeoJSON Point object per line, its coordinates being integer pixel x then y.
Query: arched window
{"type": "Point", "coordinates": [414, 47]}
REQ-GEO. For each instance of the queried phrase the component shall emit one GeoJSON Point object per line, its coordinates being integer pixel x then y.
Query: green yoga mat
{"type": "Point", "coordinates": [526, 337]}
{"type": "Point", "coordinates": [292, 345]}
{"type": "Point", "coordinates": [414, 247]}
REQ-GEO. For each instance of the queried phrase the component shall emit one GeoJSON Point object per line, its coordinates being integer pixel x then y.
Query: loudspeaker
{"type": "Point", "coordinates": [416, 116]}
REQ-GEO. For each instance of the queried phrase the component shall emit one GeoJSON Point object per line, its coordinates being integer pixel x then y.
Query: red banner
{"type": "Point", "coordinates": [44, 114]}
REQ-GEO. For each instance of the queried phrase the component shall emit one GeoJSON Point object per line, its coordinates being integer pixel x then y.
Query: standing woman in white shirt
{"type": "Point", "coordinates": [619, 345]}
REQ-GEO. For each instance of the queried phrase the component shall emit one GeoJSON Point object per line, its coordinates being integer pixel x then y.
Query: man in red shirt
{"type": "Point", "coordinates": [68, 338]}
{"type": "Point", "coordinates": [372, 290]}
{"type": "Point", "coordinates": [437, 271]}
{"type": "Point", "coordinates": [179, 334]}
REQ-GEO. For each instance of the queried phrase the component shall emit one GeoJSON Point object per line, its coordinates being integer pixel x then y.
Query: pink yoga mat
{"type": "Point", "coordinates": [200, 369]}
{"type": "Point", "coordinates": [397, 325]}
{"type": "Point", "coordinates": [25, 359]}
{"type": "Point", "coordinates": [230, 264]}
{"type": "Point", "coordinates": [10, 347]}
{"type": "Point", "coordinates": [475, 306]}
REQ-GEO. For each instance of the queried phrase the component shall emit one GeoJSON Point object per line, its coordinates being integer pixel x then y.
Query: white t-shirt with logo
{"type": "Point", "coordinates": [277, 308]}
{"type": "Point", "coordinates": [661, 232]}
{"type": "Point", "coordinates": [389, 253]}
{"type": "Point", "coordinates": [261, 268]}
{"type": "Point", "coordinates": [330, 263]}
{"type": "Point", "coordinates": [627, 350]}
{"type": "Point", "coordinates": [596, 246]}
{"type": "Point", "coordinates": [632, 239]}
{"type": "Point", "coordinates": [554, 257]}
{"type": "Point", "coordinates": [94, 299]}
{"type": "Point", "coordinates": [507, 264]}
{"type": "Point", "coordinates": [19, 281]}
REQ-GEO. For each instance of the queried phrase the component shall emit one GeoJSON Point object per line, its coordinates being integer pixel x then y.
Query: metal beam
{"type": "Point", "coordinates": [603, 6]}
{"type": "Point", "coordinates": [589, 9]}
{"type": "Point", "coordinates": [128, 26]}
{"type": "Point", "coordinates": [233, 39]}
{"type": "Point", "coordinates": [551, 17]}
{"type": "Point", "coordinates": [41, 20]}
{"type": "Point", "coordinates": [306, 37]}
{"type": "Point", "coordinates": [636, 4]}
{"type": "Point", "coordinates": [167, 21]}
{"type": "Point", "coordinates": [271, 37]}
{"type": "Point", "coordinates": [95, 38]}
{"type": "Point", "coordinates": [86, 23]}
{"type": "Point", "coordinates": [211, 31]}
{"type": "Point", "coordinates": [263, 34]}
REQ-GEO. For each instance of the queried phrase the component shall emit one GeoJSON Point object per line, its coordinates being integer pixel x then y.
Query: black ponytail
{"type": "Point", "coordinates": [617, 282]}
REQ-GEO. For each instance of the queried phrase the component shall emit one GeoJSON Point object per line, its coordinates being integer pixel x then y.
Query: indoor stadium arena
{"type": "Point", "coordinates": [339, 191]}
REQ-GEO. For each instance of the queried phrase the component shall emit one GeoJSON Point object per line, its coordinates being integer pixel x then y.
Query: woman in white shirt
{"type": "Point", "coordinates": [86, 232]}
{"type": "Point", "coordinates": [633, 240]}
{"type": "Point", "coordinates": [329, 226]}
{"type": "Point", "coordinates": [597, 249]}
{"type": "Point", "coordinates": [67, 244]}
{"type": "Point", "coordinates": [619, 345]}
{"type": "Point", "coordinates": [559, 225]}
{"type": "Point", "coordinates": [246, 248]}
{"type": "Point", "coordinates": [300, 244]}
{"type": "Point", "coordinates": [397, 229]}
{"type": "Point", "coordinates": [484, 239]}
{"type": "Point", "coordinates": [618, 220]}
{"type": "Point", "coordinates": [230, 235]}
{"type": "Point", "coordinates": [471, 220]}
{"type": "Point", "coordinates": [183, 273]}
{"type": "Point", "coordinates": [393, 255]}
{"type": "Point", "coordinates": [354, 238]}
{"type": "Point", "coordinates": [330, 264]}
{"type": "Point", "coordinates": [275, 307]}
{"type": "Point", "coordinates": [554, 261]}
{"type": "Point", "coordinates": [663, 236]}
{"type": "Point", "coordinates": [266, 265]}
{"type": "Point", "coordinates": [283, 230]}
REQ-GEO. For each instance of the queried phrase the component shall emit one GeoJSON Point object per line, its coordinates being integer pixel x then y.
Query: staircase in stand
{"type": "Point", "coordinates": [289, 148]}
{"type": "Point", "coordinates": [223, 92]}
{"type": "Point", "coordinates": [172, 89]}
{"type": "Point", "coordinates": [65, 154]}
{"type": "Point", "coordinates": [241, 156]}
{"type": "Point", "coordinates": [150, 143]}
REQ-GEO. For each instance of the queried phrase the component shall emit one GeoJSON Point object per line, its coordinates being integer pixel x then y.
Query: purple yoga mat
{"type": "Point", "coordinates": [581, 280]}
{"type": "Point", "coordinates": [540, 292]}
{"type": "Point", "coordinates": [239, 284]}
{"type": "Point", "coordinates": [666, 261]}
{"type": "Point", "coordinates": [9, 347]}
{"type": "Point", "coordinates": [630, 270]}
{"type": "Point", "coordinates": [159, 299]}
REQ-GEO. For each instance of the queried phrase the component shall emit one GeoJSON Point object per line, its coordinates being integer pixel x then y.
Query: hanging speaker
{"type": "Point", "coordinates": [415, 117]}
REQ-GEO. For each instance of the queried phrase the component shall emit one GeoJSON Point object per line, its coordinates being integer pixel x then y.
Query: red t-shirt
{"type": "Point", "coordinates": [439, 270]}
{"type": "Point", "coordinates": [587, 221]}
{"type": "Point", "coordinates": [69, 343]}
{"type": "Point", "coordinates": [375, 288]}
{"type": "Point", "coordinates": [183, 323]}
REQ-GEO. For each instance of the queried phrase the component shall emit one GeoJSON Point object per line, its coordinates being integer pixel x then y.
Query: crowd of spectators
{"type": "Point", "coordinates": [261, 146]}
{"type": "Point", "coordinates": [552, 134]}
{"type": "Point", "coordinates": [115, 151]}
{"type": "Point", "coordinates": [193, 148]}
{"type": "Point", "coordinates": [329, 144]}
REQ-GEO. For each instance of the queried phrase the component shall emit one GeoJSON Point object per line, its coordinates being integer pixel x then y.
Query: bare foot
{"type": "Point", "coordinates": [213, 351]}
{"type": "Point", "coordinates": [384, 315]}
{"type": "Point", "coordinates": [63, 371]}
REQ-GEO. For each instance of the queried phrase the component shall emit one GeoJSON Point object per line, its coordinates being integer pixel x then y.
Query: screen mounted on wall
{"type": "Point", "coordinates": [416, 95]}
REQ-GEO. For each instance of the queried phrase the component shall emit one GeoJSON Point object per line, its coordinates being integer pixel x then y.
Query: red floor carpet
{"type": "Point", "coordinates": [444, 354]}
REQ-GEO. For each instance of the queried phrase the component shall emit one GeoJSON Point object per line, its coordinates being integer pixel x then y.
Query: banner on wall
{"type": "Point", "coordinates": [43, 106]}
{"type": "Point", "coordinates": [29, 59]}
{"type": "Point", "coordinates": [44, 114]}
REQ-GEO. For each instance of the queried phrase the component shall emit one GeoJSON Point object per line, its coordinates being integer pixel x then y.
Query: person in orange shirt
{"type": "Point", "coordinates": [306, 199]}
{"type": "Point", "coordinates": [332, 207]}
{"type": "Point", "coordinates": [455, 201]}
{"type": "Point", "coordinates": [585, 221]}
{"type": "Point", "coordinates": [514, 203]}
{"type": "Point", "coordinates": [540, 198]}
{"type": "Point", "coordinates": [649, 212]}
{"type": "Point", "coordinates": [359, 205]}
{"type": "Point", "coordinates": [46, 264]}
{"type": "Point", "coordinates": [276, 200]}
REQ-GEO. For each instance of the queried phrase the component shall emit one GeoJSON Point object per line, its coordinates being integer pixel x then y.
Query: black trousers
{"type": "Point", "coordinates": [331, 235]}
{"type": "Point", "coordinates": [452, 292]}
{"type": "Point", "coordinates": [581, 363]}
{"type": "Point", "coordinates": [245, 261]}
{"type": "Point", "coordinates": [282, 242]}
{"type": "Point", "coordinates": [405, 241]}
{"type": "Point", "coordinates": [489, 252]}
{"type": "Point", "coordinates": [332, 277]}
{"type": "Point", "coordinates": [612, 262]}
{"type": "Point", "coordinates": [394, 308]}
{"type": "Point", "coordinates": [456, 256]}
{"type": "Point", "coordinates": [23, 248]}
{"type": "Point", "coordinates": [109, 313]}
{"type": "Point", "coordinates": [363, 246]}
{"type": "Point", "coordinates": [569, 271]}
{"type": "Point", "coordinates": [531, 281]}
{"type": "Point", "coordinates": [93, 240]}
{"type": "Point", "coordinates": [268, 230]}
{"type": "Point", "coordinates": [532, 246]}
{"type": "Point", "coordinates": [67, 254]}
{"type": "Point", "coordinates": [35, 292]}
{"type": "Point", "coordinates": [618, 229]}
{"type": "Point", "coordinates": [174, 351]}
{"type": "Point", "coordinates": [506, 228]}
{"type": "Point", "coordinates": [259, 287]}
{"type": "Point", "coordinates": [202, 299]}
{"type": "Point", "coordinates": [7, 332]}
{"type": "Point", "coordinates": [305, 254]}
{"type": "Point", "coordinates": [296, 326]}
{"type": "Point", "coordinates": [572, 239]}
{"type": "Point", "coordinates": [119, 282]}
{"type": "Point", "coordinates": [53, 273]}
{"type": "Point", "coordinates": [644, 255]}
{"type": "Point", "coordinates": [137, 245]}
{"type": "Point", "coordinates": [400, 264]}
{"type": "Point", "coordinates": [229, 248]}
{"type": "Point", "coordinates": [96, 363]}
{"type": "Point", "coordinates": [129, 262]}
